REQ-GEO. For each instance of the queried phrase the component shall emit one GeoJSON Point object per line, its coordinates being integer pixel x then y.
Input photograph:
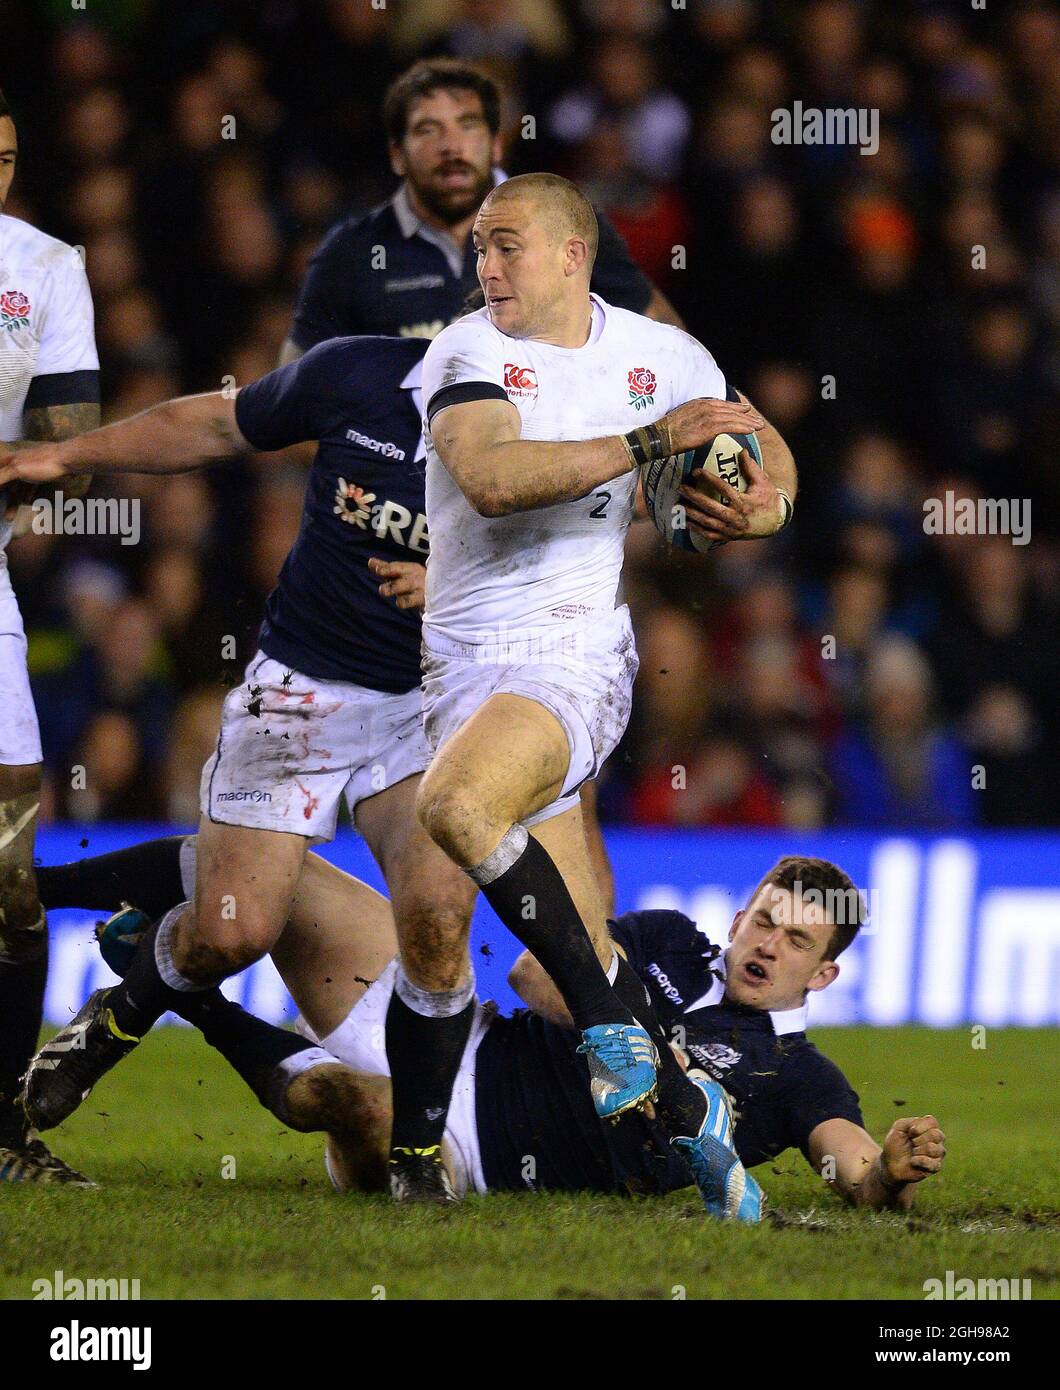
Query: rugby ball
{"type": "Point", "coordinates": [662, 479]}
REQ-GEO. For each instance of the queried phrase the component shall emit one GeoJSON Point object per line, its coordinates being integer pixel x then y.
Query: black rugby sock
{"type": "Point", "coordinates": [424, 1055]}
{"type": "Point", "coordinates": [252, 1047]}
{"type": "Point", "coordinates": [526, 891]}
{"type": "Point", "coordinates": [21, 1010]}
{"type": "Point", "coordinates": [146, 875]}
{"type": "Point", "coordinates": [143, 996]}
{"type": "Point", "coordinates": [681, 1104]}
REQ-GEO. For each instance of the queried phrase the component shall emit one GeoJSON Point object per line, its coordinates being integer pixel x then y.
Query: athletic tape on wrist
{"type": "Point", "coordinates": [646, 443]}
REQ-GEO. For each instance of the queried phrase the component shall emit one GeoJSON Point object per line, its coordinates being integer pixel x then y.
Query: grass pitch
{"type": "Point", "coordinates": [161, 1132]}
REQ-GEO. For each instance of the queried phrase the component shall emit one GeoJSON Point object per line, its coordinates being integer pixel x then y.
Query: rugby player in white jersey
{"type": "Point", "coordinates": [49, 390]}
{"type": "Point", "coordinates": [539, 409]}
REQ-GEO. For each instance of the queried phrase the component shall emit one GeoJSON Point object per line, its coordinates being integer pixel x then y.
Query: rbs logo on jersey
{"type": "Point", "coordinates": [386, 518]}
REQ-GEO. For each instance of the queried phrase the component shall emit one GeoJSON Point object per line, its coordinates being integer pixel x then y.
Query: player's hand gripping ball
{"type": "Point", "coordinates": [663, 479]}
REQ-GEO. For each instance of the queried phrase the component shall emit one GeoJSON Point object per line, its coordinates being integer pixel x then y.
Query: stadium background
{"type": "Point", "coordinates": [803, 264]}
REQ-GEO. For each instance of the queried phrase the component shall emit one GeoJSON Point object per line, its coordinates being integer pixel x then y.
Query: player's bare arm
{"type": "Point", "coordinates": [717, 510]}
{"type": "Point", "coordinates": [866, 1175]}
{"type": "Point", "coordinates": [536, 988]}
{"type": "Point", "coordinates": [177, 436]}
{"type": "Point", "coordinates": [46, 424]}
{"type": "Point", "coordinates": [499, 472]}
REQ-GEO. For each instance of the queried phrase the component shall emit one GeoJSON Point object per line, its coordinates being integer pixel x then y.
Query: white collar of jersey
{"type": "Point", "coordinates": [413, 381]}
{"type": "Point", "coordinates": [407, 219]}
{"type": "Point", "coordinates": [783, 1020]}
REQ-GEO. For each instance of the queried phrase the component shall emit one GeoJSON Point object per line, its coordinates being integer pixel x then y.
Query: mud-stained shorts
{"type": "Point", "coordinates": [291, 747]}
{"type": "Point", "coordinates": [583, 675]}
{"type": "Point", "coordinates": [19, 732]}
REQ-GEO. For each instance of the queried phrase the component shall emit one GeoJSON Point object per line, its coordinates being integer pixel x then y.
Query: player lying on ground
{"type": "Point", "coordinates": [521, 1117]}
{"type": "Point", "coordinates": [331, 709]}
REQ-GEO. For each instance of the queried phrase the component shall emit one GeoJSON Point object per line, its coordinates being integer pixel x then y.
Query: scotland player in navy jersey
{"type": "Point", "coordinates": [738, 1016]}
{"type": "Point", "coordinates": [330, 710]}
{"type": "Point", "coordinates": [406, 267]}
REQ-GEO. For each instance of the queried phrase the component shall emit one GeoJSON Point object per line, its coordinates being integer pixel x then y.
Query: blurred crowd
{"type": "Point", "coordinates": [896, 315]}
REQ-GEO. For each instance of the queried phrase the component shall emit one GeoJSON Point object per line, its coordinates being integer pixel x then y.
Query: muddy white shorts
{"type": "Point", "coordinates": [582, 674]}
{"type": "Point", "coordinates": [360, 1042]}
{"type": "Point", "coordinates": [291, 747]}
{"type": "Point", "coordinates": [19, 732]}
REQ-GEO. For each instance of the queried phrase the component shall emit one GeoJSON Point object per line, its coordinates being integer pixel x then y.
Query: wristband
{"type": "Point", "coordinates": [786, 509]}
{"type": "Point", "coordinates": [646, 444]}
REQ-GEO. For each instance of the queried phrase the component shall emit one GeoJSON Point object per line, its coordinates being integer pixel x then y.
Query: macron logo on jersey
{"type": "Point", "coordinates": [520, 381]}
{"type": "Point", "coordinates": [378, 446]}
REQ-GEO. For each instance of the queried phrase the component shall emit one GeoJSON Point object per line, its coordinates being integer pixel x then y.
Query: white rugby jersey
{"type": "Point", "coordinates": [487, 577]}
{"type": "Point", "coordinates": [46, 330]}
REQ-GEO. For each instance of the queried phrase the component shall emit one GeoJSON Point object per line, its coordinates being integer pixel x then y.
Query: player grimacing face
{"type": "Point", "coordinates": [8, 152]}
{"type": "Point", "coordinates": [447, 154]}
{"type": "Point", "coordinates": [522, 270]}
{"type": "Point", "coordinates": [776, 951]}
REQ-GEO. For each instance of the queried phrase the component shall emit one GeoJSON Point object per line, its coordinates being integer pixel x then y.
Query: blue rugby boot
{"type": "Point", "coordinates": [728, 1190]}
{"type": "Point", "coordinates": [622, 1061]}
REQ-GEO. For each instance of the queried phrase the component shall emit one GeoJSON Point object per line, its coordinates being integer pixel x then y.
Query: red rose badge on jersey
{"type": "Point", "coordinates": [520, 382]}
{"type": "Point", "coordinates": [641, 387]}
{"type": "Point", "coordinates": [14, 309]}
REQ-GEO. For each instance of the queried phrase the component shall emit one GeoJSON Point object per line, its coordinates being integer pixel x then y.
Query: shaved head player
{"type": "Point", "coordinates": [540, 407]}
{"type": "Point", "coordinates": [49, 389]}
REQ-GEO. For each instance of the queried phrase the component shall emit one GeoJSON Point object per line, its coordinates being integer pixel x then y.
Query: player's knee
{"type": "Point", "coordinates": [451, 815]}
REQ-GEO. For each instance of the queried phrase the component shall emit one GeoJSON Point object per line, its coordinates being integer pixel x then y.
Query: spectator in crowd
{"type": "Point", "coordinates": [896, 767]}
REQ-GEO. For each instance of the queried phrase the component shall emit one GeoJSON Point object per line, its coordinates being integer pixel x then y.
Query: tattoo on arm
{"type": "Point", "coordinates": [49, 424]}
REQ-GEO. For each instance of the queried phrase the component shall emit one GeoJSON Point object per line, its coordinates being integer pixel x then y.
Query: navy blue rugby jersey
{"type": "Point", "coordinates": [359, 397]}
{"type": "Point", "coordinates": [424, 283]}
{"type": "Point", "coordinates": [532, 1089]}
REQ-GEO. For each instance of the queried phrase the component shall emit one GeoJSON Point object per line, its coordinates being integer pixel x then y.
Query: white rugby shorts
{"type": "Point", "coordinates": [19, 731]}
{"type": "Point", "coordinates": [360, 1042]}
{"type": "Point", "coordinates": [291, 746]}
{"type": "Point", "coordinates": [581, 673]}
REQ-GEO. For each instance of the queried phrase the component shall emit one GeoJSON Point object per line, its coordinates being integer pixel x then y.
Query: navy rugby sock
{"type": "Point", "coordinates": [21, 1010]}
{"type": "Point", "coordinates": [143, 996]}
{"type": "Point", "coordinates": [521, 883]}
{"type": "Point", "coordinates": [424, 1052]}
{"type": "Point", "coordinates": [146, 875]}
{"type": "Point", "coordinates": [252, 1047]}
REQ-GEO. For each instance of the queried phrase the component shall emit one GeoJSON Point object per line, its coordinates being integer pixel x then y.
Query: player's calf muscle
{"type": "Point", "coordinates": [209, 956]}
{"type": "Point", "coordinates": [434, 942]}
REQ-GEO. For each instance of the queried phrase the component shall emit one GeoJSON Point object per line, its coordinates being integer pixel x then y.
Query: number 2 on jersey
{"type": "Point", "coordinates": [599, 512]}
